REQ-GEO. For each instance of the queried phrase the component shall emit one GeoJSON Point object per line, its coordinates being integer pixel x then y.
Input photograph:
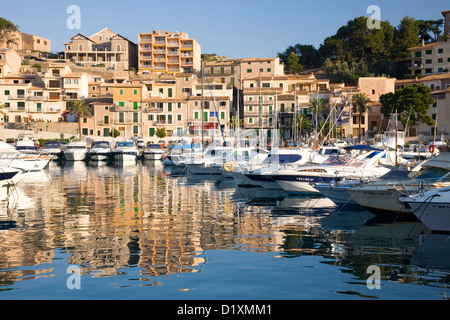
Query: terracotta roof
{"type": "Point", "coordinates": [436, 77]}
{"type": "Point", "coordinates": [73, 75]}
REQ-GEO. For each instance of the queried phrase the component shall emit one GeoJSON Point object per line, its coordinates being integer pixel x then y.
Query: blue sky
{"type": "Point", "coordinates": [236, 29]}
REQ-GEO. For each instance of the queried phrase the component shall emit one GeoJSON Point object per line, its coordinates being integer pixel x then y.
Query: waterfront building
{"type": "Point", "coordinates": [10, 62]}
{"type": "Point", "coordinates": [106, 49]}
{"type": "Point", "coordinates": [168, 52]}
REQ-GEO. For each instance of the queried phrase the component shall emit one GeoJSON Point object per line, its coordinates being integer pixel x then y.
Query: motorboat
{"type": "Point", "coordinates": [241, 157]}
{"type": "Point", "coordinates": [100, 151]}
{"type": "Point", "coordinates": [9, 176]}
{"type": "Point", "coordinates": [380, 197]}
{"type": "Point", "coordinates": [11, 157]}
{"type": "Point", "coordinates": [177, 154]}
{"type": "Point", "coordinates": [76, 151]}
{"type": "Point", "coordinates": [54, 149]}
{"type": "Point", "coordinates": [432, 208]}
{"type": "Point", "coordinates": [204, 163]}
{"type": "Point", "coordinates": [418, 152]}
{"type": "Point", "coordinates": [153, 151]}
{"type": "Point", "coordinates": [359, 162]}
{"type": "Point", "coordinates": [125, 151]}
{"type": "Point", "coordinates": [280, 158]}
{"type": "Point", "coordinates": [26, 146]}
{"type": "Point", "coordinates": [337, 191]}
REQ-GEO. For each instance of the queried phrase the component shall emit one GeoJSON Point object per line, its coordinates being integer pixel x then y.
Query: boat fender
{"type": "Point", "coordinates": [432, 148]}
{"type": "Point", "coordinates": [164, 156]}
{"type": "Point", "coordinates": [228, 166]}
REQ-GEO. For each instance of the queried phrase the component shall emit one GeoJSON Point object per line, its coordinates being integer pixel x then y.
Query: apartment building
{"type": "Point", "coordinates": [105, 48]}
{"type": "Point", "coordinates": [44, 97]}
{"type": "Point", "coordinates": [168, 52]}
{"type": "Point", "coordinates": [431, 58]}
{"type": "Point", "coordinates": [226, 71]}
{"type": "Point", "coordinates": [272, 102]}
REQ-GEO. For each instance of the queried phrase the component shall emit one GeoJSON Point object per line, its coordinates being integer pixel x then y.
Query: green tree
{"type": "Point", "coordinates": [360, 106]}
{"type": "Point", "coordinates": [411, 104]}
{"type": "Point", "coordinates": [304, 123]}
{"type": "Point", "coordinates": [293, 64]}
{"type": "Point", "coordinates": [161, 133]}
{"type": "Point", "coordinates": [80, 109]}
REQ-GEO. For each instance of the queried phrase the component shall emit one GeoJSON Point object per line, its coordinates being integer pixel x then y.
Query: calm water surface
{"type": "Point", "coordinates": [145, 231]}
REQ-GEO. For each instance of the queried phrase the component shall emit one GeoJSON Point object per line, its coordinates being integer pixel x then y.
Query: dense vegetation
{"type": "Point", "coordinates": [356, 51]}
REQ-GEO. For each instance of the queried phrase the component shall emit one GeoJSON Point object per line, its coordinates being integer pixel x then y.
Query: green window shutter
{"type": "Point", "coordinates": [161, 90]}
{"type": "Point", "coordinates": [250, 120]}
{"type": "Point", "coordinates": [135, 117]}
{"type": "Point", "coordinates": [170, 93]}
{"type": "Point", "coordinates": [7, 93]}
{"type": "Point", "coordinates": [21, 106]}
{"type": "Point", "coordinates": [205, 116]}
{"type": "Point", "coordinates": [196, 115]}
{"type": "Point", "coordinates": [106, 132]}
{"type": "Point", "coordinates": [135, 91]}
{"type": "Point", "coordinates": [249, 70]}
{"type": "Point", "coordinates": [151, 132]}
{"type": "Point", "coordinates": [135, 105]}
{"type": "Point", "coordinates": [39, 107]}
{"type": "Point", "coordinates": [169, 105]}
{"type": "Point", "coordinates": [429, 52]}
{"type": "Point", "coordinates": [106, 119]}
{"type": "Point", "coordinates": [222, 115]}
{"type": "Point", "coordinates": [84, 120]}
{"type": "Point", "coordinates": [269, 70]}
{"type": "Point", "coordinates": [121, 117]}
{"type": "Point", "coordinates": [85, 131]}
{"type": "Point", "coordinates": [135, 129]}
{"type": "Point", "coordinates": [121, 91]}
{"type": "Point", "coordinates": [121, 104]}
{"type": "Point", "coordinates": [169, 119]}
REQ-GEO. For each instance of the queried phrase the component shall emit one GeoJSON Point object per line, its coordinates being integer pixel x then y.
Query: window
{"type": "Point", "coordinates": [250, 108]}
{"type": "Point", "coordinates": [135, 129]}
{"type": "Point", "coordinates": [179, 117]}
{"type": "Point", "coordinates": [222, 115]}
{"type": "Point", "coordinates": [429, 52]}
{"type": "Point", "coordinates": [249, 70]}
{"type": "Point", "coordinates": [440, 60]}
{"type": "Point", "coordinates": [21, 106]}
{"type": "Point", "coordinates": [39, 107]}
{"type": "Point", "coordinates": [261, 70]}
{"type": "Point", "coordinates": [250, 120]}
{"type": "Point", "coordinates": [169, 105]}
{"type": "Point", "coordinates": [121, 104]}
{"type": "Point", "coordinates": [428, 70]}
{"type": "Point", "coordinates": [106, 119]}
{"type": "Point", "coordinates": [135, 105]}
{"type": "Point", "coordinates": [7, 93]}
{"type": "Point", "coordinates": [151, 117]}
{"type": "Point", "coordinates": [373, 91]}
{"type": "Point", "coordinates": [428, 61]}
{"type": "Point", "coordinates": [135, 117]}
{"type": "Point", "coordinates": [196, 115]}
{"type": "Point", "coordinates": [179, 105]}
{"type": "Point", "coordinates": [151, 132]}
{"type": "Point", "coordinates": [441, 50]}
{"type": "Point", "coordinates": [121, 91]}
{"type": "Point", "coordinates": [269, 70]}
{"type": "Point", "coordinates": [205, 116]}
{"type": "Point", "coordinates": [222, 70]}
{"type": "Point", "coordinates": [84, 120]}
{"type": "Point", "coordinates": [170, 92]}
{"type": "Point", "coordinates": [266, 85]}
{"type": "Point", "coordinates": [85, 131]}
{"type": "Point", "coordinates": [169, 119]}
{"type": "Point", "coordinates": [135, 91]}
{"type": "Point", "coordinates": [121, 117]}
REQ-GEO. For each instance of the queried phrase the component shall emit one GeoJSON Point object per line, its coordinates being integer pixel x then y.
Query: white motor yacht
{"type": "Point", "coordinates": [9, 176]}
{"type": "Point", "coordinates": [204, 163]}
{"type": "Point", "coordinates": [280, 158]}
{"type": "Point", "coordinates": [54, 149]}
{"type": "Point", "coordinates": [381, 196]}
{"type": "Point", "coordinates": [363, 162]}
{"type": "Point", "coordinates": [153, 151]}
{"type": "Point", "coordinates": [125, 151]}
{"type": "Point", "coordinates": [11, 157]}
{"type": "Point", "coordinates": [76, 151]}
{"type": "Point", "coordinates": [100, 151]}
{"type": "Point", "coordinates": [177, 153]}
{"type": "Point", "coordinates": [432, 208]}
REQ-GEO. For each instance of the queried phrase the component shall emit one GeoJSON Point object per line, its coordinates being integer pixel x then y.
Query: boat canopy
{"type": "Point", "coordinates": [362, 147]}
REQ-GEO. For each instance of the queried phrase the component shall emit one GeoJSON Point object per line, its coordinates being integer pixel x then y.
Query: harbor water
{"type": "Point", "coordinates": [144, 231]}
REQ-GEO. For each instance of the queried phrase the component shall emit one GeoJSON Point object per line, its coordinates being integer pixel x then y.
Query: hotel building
{"type": "Point", "coordinates": [168, 52]}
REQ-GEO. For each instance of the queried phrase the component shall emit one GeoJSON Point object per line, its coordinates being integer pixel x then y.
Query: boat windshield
{"type": "Point", "coordinates": [101, 145]}
{"type": "Point", "coordinates": [282, 158]}
{"type": "Point", "coordinates": [154, 146]}
{"type": "Point", "coordinates": [433, 173]}
{"type": "Point", "coordinates": [52, 144]}
{"type": "Point", "coordinates": [124, 144]}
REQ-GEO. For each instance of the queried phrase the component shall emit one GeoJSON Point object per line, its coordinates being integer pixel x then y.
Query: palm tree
{"type": "Point", "coordinates": [303, 122]}
{"type": "Point", "coordinates": [360, 106]}
{"type": "Point", "coordinates": [81, 109]}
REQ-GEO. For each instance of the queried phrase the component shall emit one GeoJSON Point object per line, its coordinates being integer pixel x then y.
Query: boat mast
{"type": "Point", "coordinates": [203, 117]}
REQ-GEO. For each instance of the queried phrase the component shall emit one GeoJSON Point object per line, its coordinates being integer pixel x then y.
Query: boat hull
{"type": "Point", "coordinates": [75, 156]}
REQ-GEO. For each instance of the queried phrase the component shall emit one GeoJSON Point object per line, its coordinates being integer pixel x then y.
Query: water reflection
{"type": "Point", "coordinates": [162, 221]}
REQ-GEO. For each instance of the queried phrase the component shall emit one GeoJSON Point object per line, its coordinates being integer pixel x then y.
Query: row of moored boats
{"type": "Point", "coordinates": [352, 177]}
